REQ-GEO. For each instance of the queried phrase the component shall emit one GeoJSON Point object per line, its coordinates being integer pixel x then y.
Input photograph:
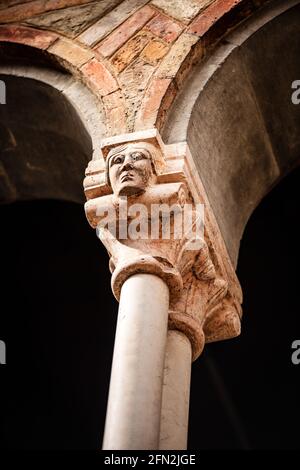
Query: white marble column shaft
{"type": "Point", "coordinates": [176, 392]}
{"type": "Point", "coordinates": [135, 395]}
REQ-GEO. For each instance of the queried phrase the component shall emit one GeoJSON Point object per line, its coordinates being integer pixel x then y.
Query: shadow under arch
{"type": "Point", "coordinates": [44, 145]}
{"type": "Point", "coordinates": [57, 310]}
{"type": "Point", "coordinates": [251, 393]}
{"type": "Point", "coordinates": [237, 116]}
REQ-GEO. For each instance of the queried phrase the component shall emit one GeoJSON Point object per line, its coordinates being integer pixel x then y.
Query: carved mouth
{"type": "Point", "coordinates": [126, 177]}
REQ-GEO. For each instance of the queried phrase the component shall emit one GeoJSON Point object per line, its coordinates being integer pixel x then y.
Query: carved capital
{"type": "Point", "coordinates": [148, 205]}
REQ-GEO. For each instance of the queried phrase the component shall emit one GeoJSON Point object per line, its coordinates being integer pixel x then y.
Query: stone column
{"type": "Point", "coordinates": [176, 392]}
{"type": "Point", "coordinates": [182, 283]}
{"type": "Point", "coordinates": [134, 404]}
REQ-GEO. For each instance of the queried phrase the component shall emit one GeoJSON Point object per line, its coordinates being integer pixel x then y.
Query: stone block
{"type": "Point", "coordinates": [99, 77]}
{"type": "Point", "coordinates": [207, 18]}
{"type": "Point", "coordinates": [178, 52]}
{"type": "Point", "coordinates": [164, 27]}
{"type": "Point", "coordinates": [151, 104]}
{"type": "Point", "coordinates": [73, 20]}
{"type": "Point", "coordinates": [130, 51]}
{"type": "Point", "coordinates": [133, 81]}
{"type": "Point", "coordinates": [111, 21]}
{"type": "Point", "coordinates": [121, 35]}
{"type": "Point", "coordinates": [19, 11]}
{"type": "Point", "coordinates": [154, 51]}
{"type": "Point", "coordinates": [71, 52]}
{"type": "Point", "coordinates": [182, 11]}
{"type": "Point", "coordinates": [29, 36]}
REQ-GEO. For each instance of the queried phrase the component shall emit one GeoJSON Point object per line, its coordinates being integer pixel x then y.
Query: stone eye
{"type": "Point", "coordinates": [137, 156]}
{"type": "Point", "coordinates": [119, 159]}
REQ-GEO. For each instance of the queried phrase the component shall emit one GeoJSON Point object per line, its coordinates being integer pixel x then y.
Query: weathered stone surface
{"type": "Point", "coordinates": [90, 109]}
{"type": "Point", "coordinates": [151, 103]}
{"type": "Point", "coordinates": [241, 125]}
{"type": "Point", "coordinates": [130, 51]}
{"type": "Point", "coordinates": [154, 51]}
{"type": "Point", "coordinates": [31, 37]}
{"type": "Point", "coordinates": [28, 9]}
{"type": "Point", "coordinates": [115, 112]}
{"type": "Point", "coordinates": [112, 20]}
{"type": "Point", "coordinates": [71, 52]}
{"type": "Point", "coordinates": [113, 100]}
{"type": "Point", "coordinates": [183, 11]}
{"type": "Point", "coordinates": [234, 156]}
{"type": "Point", "coordinates": [99, 77]}
{"type": "Point", "coordinates": [164, 27]}
{"type": "Point", "coordinates": [125, 31]}
{"type": "Point", "coordinates": [207, 18]}
{"type": "Point", "coordinates": [194, 281]}
{"type": "Point", "coordinates": [134, 80]}
{"type": "Point", "coordinates": [73, 20]}
{"type": "Point", "coordinates": [198, 284]}
{"type": "Point", "coordinates": [173, 60]}
{"type": "Point", "coordinates": [9, 3]}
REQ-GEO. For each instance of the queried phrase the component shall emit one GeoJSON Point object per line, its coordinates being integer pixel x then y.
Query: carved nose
{"type": "Point", "coordinates": [127, 165]}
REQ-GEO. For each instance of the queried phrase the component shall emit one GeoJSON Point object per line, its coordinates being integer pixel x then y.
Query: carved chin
{"type": "Point", "coordinates": [129, 189]}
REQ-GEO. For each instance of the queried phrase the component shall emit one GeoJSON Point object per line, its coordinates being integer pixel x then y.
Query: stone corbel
{"type": "Point", "coordinates": [205, 295]}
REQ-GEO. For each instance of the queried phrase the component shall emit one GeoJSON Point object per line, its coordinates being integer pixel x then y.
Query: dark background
{"type": "Point", "coordinates": [58, 315]}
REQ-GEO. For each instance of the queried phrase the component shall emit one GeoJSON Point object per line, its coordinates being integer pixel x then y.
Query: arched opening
{"type": "Point", "coordinates": [242, 127]}
{"type": "Point", "coordinates": [57, 311]}
{"type": "Point", "coordinates": [44, 145]}
{"type": "Point", "coordinates": [245, 391]}
{"type": "Point", "coordinates": [237, 115]}
{"type": "Point", "coordinates": [58, 321]}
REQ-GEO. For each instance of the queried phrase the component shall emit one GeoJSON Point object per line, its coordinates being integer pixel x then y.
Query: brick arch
{"type": "Point", "coordinates": [81, 62]}
{"type": "Point", "coordinates": [238, 118]}
{"type": "Point", "coordinates": [194, 45]}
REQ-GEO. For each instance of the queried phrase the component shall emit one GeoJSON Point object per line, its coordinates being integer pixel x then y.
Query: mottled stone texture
{"type": "Point", "coordinates": [165, 28]}
{"type": "Point", "coordinates": [142, 49]}
{"type": "Point", "coordinates": [250, 136]}
{"type": "Point", "coordinates": [112, 20]}
{"type": "Point", "coordinates": [27, 9]}
{"type": "Point", "coordinates": [73, 20]}
{"type": "Point", "coordinates": [119, 37]}
{"type": "Point", "coordinates": [130, 51]}
{"type": "Point", "coordinates": [102, 82]}
{"type": "Point", "coordinates": [9, 3]}
{"type": "Point", "coordinates": [183, 11]}
{"type": "Point", "coordinates": [210, 15]}
{"type": "Point", "coordinates": [67, 50]}
{"type": "Point", "coordinates": [134, 80]}
{"type": "Point", "coordinates": [29, 36]}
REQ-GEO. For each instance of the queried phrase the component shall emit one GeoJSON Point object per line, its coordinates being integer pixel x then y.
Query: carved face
{"type": "Point", "coordinates": [130, 170]}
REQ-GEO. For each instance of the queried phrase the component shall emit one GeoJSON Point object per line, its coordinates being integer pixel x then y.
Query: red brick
{"type": "Point", "coordinates": [115, 113]}
{"type": "Point", "coordinates": [125, 31]}
{"type": "Point", "coordinates": [99, 77]}
{"type": "Point", "coordinates": [71, 52]}
{"type": "Point", "coordinates": [154, 51]}
{"type": "Point", "coordinates": [29, 36]}
{"type": "Point", "coordinates": [151, 102]}
{"type": "Point", "coordinates": [210, 15]}
{"type": "Point", "coordinates": [130, 51]}
{"type": "Point", "coordinates": [164, 27]}
{"type": "Point", "coordinates": [36, 7]}
{"type": "Point", "coordinates": [116, 121]}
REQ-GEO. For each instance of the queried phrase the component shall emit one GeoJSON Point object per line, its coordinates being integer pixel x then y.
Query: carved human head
{"type": "Point", "coordinates": [131, 168]}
